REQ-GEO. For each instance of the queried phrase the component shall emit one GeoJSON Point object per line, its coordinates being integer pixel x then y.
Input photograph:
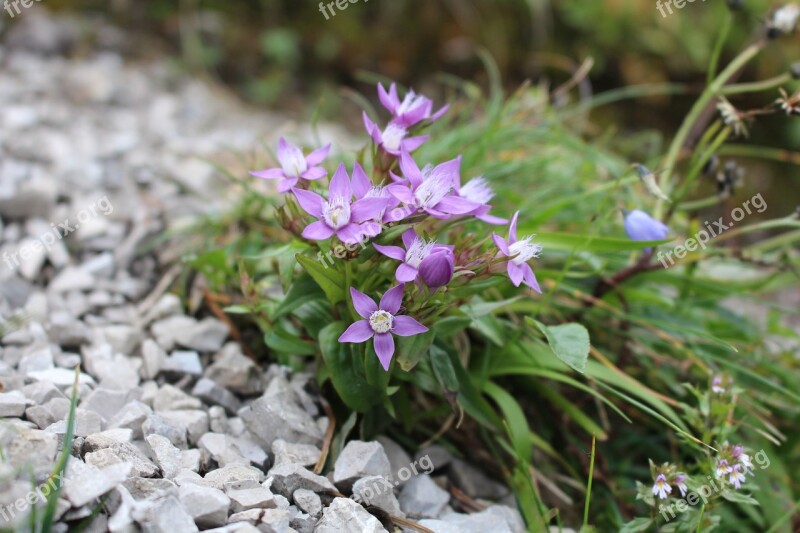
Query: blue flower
{"type": "Point", "coordinates": [642, 227]}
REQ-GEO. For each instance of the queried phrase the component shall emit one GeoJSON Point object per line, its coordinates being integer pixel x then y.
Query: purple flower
{"type": "Point", "coordinates": [737, 476]}
{"type": "Point", "coordinates": [431, 189]}
{"type": "Point", "coordinates": [642, 227]}
{"type": "Point", "coordinates": [295, 166]}
{"type": "Point", "coordinates": [519, 253]}
{"type": "Point", "coordinates": [413, 109]}
{"type": "Point", "coordinates": [338, 214]}
{"type": "Point", "coordinates": [418, 253]}
{"type": "Point", "coordinates": [394, 138]}
{"type": "Point", "coordinates": [661, 488]}
{"type": "Point", "coordinates": [438, 268]}
{"type": "Point", "coordinates": [680, 482]}
{"type": "Point", "coordinates": [380, 322]}
{"type": "Point", "coordinates": [477, 190]}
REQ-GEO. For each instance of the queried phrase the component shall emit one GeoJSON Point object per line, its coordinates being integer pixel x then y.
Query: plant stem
{"type": "Point", "coordinates": [757, 86]}
{"type": "Point", "coordinates": [697, 109]}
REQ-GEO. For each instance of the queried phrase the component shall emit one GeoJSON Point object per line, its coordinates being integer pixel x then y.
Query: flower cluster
{"type": "Point", "coordinates": [665, 477]}
{"type": "Point", "coordinates": [733, 463]}
{"type": "Point", "coordinates": [425, 199]}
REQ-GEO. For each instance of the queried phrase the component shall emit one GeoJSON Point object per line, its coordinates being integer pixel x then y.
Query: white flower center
{"type": "Point", "coordinates": [419, 250]}
{"type": "Point", "coordinates": [294, 163]}
{"type": "Point", "coordinates": [381, 321]}
{"type": "Point", "coordinates": [477, 190]}
{"type": "Point", "coordinates": [393, 136]}
{"type": "Point", "coordinates": [524, 250]}
{"type": "Point", "coordinates": [432, 189]}
{"type": "Point", "coordinates": [336, 212]}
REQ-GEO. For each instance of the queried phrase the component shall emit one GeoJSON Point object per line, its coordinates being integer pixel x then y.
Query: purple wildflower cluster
{"type": "Point", "coordinates": [359, 206]}
{"type": "Point", "coordinates": [665, 477]}
{"type": "Point", "coordinates": [733, 463]}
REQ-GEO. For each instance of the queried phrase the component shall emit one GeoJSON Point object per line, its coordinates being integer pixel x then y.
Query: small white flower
{"type": "Point", "coordinates": [736, 476]}
{"type": "Point", "coordinates": [661, 488]}
{"type": "Point", "coordinates": [723, 468]}
{"type": "Point", "coordinates": [784, 20]}
{"type": "Point", "coordinates": [477, 190]}
{"type": "Point", "coordinates": [680, 483]}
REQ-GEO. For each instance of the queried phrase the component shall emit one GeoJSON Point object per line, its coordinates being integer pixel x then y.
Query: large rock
{"type": "Point", "coordinates": [207, 506]}
{"type": "Point", "coordinates": [84, 483]}
{"type": "Point", "coordinates": [421, 496]}
{"type": "Point", "coordinates": [276, 415]}
{"type": "Point", "coordinates": [346, 516]}
{"type": "Point", "coordinates": [235, 372]}
{"type": "Point", "coordinates": [359, 459]}
{"type": "Point", "coordinates": [164, 515]}
{"type": "Point", "coordinates": [287, 479]}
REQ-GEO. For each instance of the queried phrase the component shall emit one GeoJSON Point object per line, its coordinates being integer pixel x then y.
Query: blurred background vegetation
{"type": "Point", "coordinates": [285, 55]}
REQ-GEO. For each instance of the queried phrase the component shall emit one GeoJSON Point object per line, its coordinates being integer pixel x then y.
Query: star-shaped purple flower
{"type": "Point", "coordinates": [394, 138]}
{"type": "Point", "coordinates": [412, 109]}
{"type": "Point", "coordinates": [295, 166]}
{"type": "Point", "coordinates": [338, 214]}
{"type": "Point", "coordinates": [419, 254]}
{"type": "Point", "coordinates": [519, 253]}
{"type": "Point", "coordinates": [430, 189]}
{"type": "Point", "coordinates": [380, 322]}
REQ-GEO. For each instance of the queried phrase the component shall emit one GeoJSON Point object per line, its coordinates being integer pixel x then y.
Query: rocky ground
{"type": "Point", "coordinates": [102, 163]}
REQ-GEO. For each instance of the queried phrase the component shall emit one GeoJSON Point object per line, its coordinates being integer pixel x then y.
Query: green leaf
{"type": "Point", "coordinates": [450, 325]}
{"type": "Point", "coordinates": [302, 291]}
{"type": "Point", "coordinates": [346, 370]}
{"type": "Point", "coordinates": [636, 525]}
{"type": "Point", "coordinates": [570, 342]}
{"type": "Point", "coordinates": [514, 416]}
{"type": "Point", "coordinates": [284, 341]}
{"type": "Point", "coordinates": [329, 280]}
{"type": "Point", "coordinates": [591, 243]}
{"type": "Point", "coordinates": [443, 369]}
{"type": "Point", "coordinates": [411, 349]}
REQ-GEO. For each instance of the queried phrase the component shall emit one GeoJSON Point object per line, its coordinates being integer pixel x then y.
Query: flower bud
{"type": "Point", "coordinates": [437, 269]}
{"type": "Point", "coordinates": [642, 227]}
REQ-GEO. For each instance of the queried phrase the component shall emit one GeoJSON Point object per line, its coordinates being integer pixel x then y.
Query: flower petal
{"type": "Point", "coordinates": [357, 332]}
{"type": "Point", "coordinates": [410, 169]}
{"type": "Point", "coordinates": [360, 182]}
{"type": "Point", "coordinates": [514, 273]}
{"type": "Point", "coordinates": [384, 348]}
{"type": "Point", "coordinates": [395, 252]}
{"type": "Point", "coordinates": [501, 244]}
{"type": "Point", "coordinates": [451, 169]}
{"type": "Point", "coordinates": [530, 277]}
{"type": "Point", "coordinates": [405, 326]}
{"type": "Point", "coordinates": [286, 184]}
{"type": "Point", "coordinates": [372, 129]}
{"type": "Point", "coordinates": [318, 156]}
{"type": "Point", "coordinates": [392, 299]}
{"type": "Point", "coordinates": [493, 220]}
{"type": "Point", "coordinates": [402, 193]}
{"type": "Point", "coordinates": [340, 184]}
{"type": "Point", "coordinates": [317, 231]}
{"type": "Point", "coordinates": [311, 202]}
{"type": "Point", "coordinates": [363, 304]}
{"type": "Point", "coordinates": [367, 209]}
{"type": "Point", "coordinates": [412, 143]}
{"type": "Point", "coordinates": [389, 100]}
{"type": "Point", "coordinates": [439, 113]}
{"type": "Point", "coordinates": [269, 173]}
{"type": "Point", "coordinates": [405, 273]}
{"type": "Point", "coordinates": [456, 206]}
{"type": "Point", "coordinates": [371, 229]}
{"type": "Point", "coordinates": [314, 173]}
{"type": "Point", "coordinates": [350, 234]}
{"type": "Point", "coordinates": [512, 229]}
{"type": "Point", "coordinates": [408, 237]}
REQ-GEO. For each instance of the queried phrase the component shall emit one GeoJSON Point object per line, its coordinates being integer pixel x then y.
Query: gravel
{"type": "Point", "coordinates": [174, 422]}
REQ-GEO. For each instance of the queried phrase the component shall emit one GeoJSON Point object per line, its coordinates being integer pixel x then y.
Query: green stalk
{"type": "Point", "coordinates": [720, 42]}
{"type": "Point", "coordinates": [589, 487]}
{"type": "Point", "coordinates": [757, 86]}
{"type": "Point", "coordinates": [694, 114]}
